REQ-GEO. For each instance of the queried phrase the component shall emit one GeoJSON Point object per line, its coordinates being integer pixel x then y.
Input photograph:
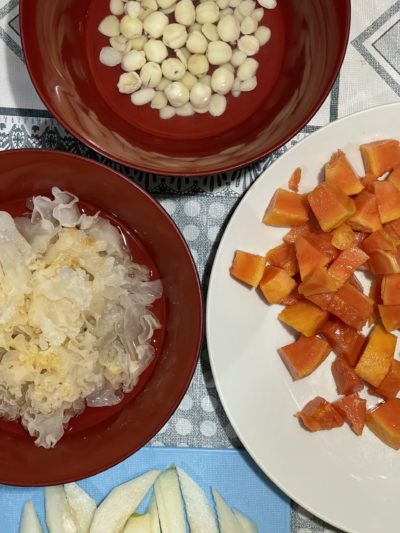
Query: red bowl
{"type": "Point", "coordinates": [297, 69]}
{"type": "Point", "coordinates": [101, 437]}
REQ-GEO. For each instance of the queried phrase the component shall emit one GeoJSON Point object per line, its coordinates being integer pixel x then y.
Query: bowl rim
{"type": "Point", "coordinates": [198, 333]}
{"type": "Point", "coordinates": [181, 171]}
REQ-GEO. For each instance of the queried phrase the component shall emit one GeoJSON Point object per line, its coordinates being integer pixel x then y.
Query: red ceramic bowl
{"type": "Point", "coordinates": [297, 69]}
{"type": "Point", "coordinates": [101, 437]}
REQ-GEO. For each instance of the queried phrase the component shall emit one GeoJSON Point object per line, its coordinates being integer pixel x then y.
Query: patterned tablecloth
{"type": "Point", "coordinates": [201, 207]}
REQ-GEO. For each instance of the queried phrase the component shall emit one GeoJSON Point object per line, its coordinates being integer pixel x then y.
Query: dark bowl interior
{"type": "Point", "coordinates": [99, 438]}
{"type": "Point", "coordinates": [297, 69]}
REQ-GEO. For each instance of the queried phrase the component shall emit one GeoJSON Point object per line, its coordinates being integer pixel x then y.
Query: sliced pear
{"type": "Point", "coordinates": [29, 520]}
{"type": "Point", "coordinates": [228, 523]}
{"type": "Point", "coordinates": [138, 523]}
{"type": "Point", "coordinates": [114, 511]}
{"type": "Point", "coordinates": [59, 517]}
{"type": "Point", "coordinates": [82, 506]}
{"type": "Point", "coordinates": [170, 503]}
{"type": "Point", "coordinates": [198, 509]}
{"type": "Point", "coordinates": [154, 518]}
{"type": "Point", "coordinates": [247, 525]}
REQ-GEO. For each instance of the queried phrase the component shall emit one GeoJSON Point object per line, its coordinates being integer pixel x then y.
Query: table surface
{"type": "Point", "coordinates": [370, 76]}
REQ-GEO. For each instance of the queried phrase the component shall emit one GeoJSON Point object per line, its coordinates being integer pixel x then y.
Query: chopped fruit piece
{"type": "Point", "coordinates": [378, 240]}
{"type": "Point", "coordinates": [366, 217]}
{"type": "Point", "coordinates": [319, 414]}
{"type": "Point", "coordinates": [351, 306]}
{"type": "Point", "coordinates": [353, 280]}
{"type": "Point", "coordinates": [286, 209]}
{"type": "Point", "coordinates": [304, 317]}
{"type": "Point", "coordinates": [390, 316]}
{"type": "Point", "coordinates": [317, 282]}
{"type": "Point", "coordinates": [390, 386]}
{"type": "Point", "coordinates": [322, 300]}
{"type": "Point", "coordinates": [295, 180]}
{"type": "Point", "coordinates": [344, 340]}
{"type": "Point", "coordinates": [380, 156]}
{"type": "Point", "coordinates": [394, 176]}
{"type": "Point", "coordinates": [347, 262]}
{"type": "Point", "coordinates": [384, 421]}
{"type": "Point", "coordinates": [340, 173]}
{"type": "Point", "coordinates": [284, 256]}
{"type": "Point", "coordinates": [390, 290]}
{"type": "Point", "coordinates": [323, 241]}
{"type": "Point", "coordinates": [376, 359]}
{"type": "Point", "coordinates": [393, 230]}
{"type": "Point", "coordinates": [360, 236]}
{"type": "Point", "coordinates": [343, 237]}
{"type": "Point", "coordinates": [388, 201]}
{"type": "Point", "coordinates": [353, 409]}
{"type": "Point", "coordinates": [291, 298]}
{"type": "Point", "coordinates": [299, 231]}
{"type": "Point", "coordinates": [309, 257]}
{"type": "Point", "coordinates": [345, 378]}
{"type": "Point", "coordinates": [331, 206]}
{"type": "Point", "coordinates": [276, 284]}
{"type": "Point", "coordinates": [381, 262]}
{"type": "Point", "coordinates": [247, 267]}
{"type": "Point", "coordinates": [368, 182]}
{"type": "Point", "coordinates": [375, 295]}
{"type": "Point", "coordinates": [304, 356]}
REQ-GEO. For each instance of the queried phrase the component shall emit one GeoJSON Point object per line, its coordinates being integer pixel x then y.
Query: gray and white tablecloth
{"type": "Point", "coordinates": [201, 206]}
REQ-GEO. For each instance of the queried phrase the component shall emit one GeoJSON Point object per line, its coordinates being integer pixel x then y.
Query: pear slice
{"type": "Point", "coordinates": [29, 520]}
{"type": "Point", "coordinates": [59, 517]}
{"type": "Point", "coordinates": [154, 518]}
{"type": "Point", "coordinates": [169, 502]}
{"type": "Point", "coordinates": [138, 523]}
{"type": "Point", "coordinates": [228, 523]}
{"type": "Point", "coordinates": [82, 506]}
{"type": "Point", "coordinates": [247, 525]}
{"type": "Point", "coordinates": [198, 509]}
{"type": "Point", "coordinates": [113, 512]}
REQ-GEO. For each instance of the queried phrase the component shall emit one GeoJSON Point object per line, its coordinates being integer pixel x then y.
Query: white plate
{"type": "Point", "coordinates": [351, 482]}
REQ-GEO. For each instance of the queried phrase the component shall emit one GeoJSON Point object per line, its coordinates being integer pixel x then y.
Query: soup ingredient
{"type": "Point", "coordinates": [82, 506]}
{"type": "Point", "coordinates": [29, 520]}
{"type": "Point", "coordinates": [227, 521]}
{"type": "Point", "coordinates": [154, 518]}
{"type": "Point", "coordinates": [138, 523]}
{"type": "Point", "coordinates": [169, 502]}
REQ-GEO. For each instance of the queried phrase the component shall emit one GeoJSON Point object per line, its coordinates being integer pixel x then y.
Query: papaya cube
{"type": "Point", "coordinates": [292, 298]}
{"type": "Point", "coordinates": [380, 156]}
{"type": "Point", "coordinates": [304, 317]}
{"type": "Point", "coordinates": [384, 421]}
{"type": "Point", "coordinates": [276, 284]}
{"type": "Point", "coordinates": [343, 237]}
{"type": "Point", "coordinates": [383, 262]}
{"type": "Point", "coordinates": [394, 176]}
{"type": "Point", "coordinates": [294, 180]}
{"type": "Point", "coordinates": [393, 230]}
{"type": "Point", "coordinates": [318, 282]}
{"type": "Point", "coordinates": [390, 316]}
{"type": "Point", "coordinates": [346, 263]}
{"type": "Point", "coordinates": [390, 386]}
{"type": "Point", "coordinates": [344, 340]}
{"type": "Point", "coordinates": [283, 256]}
{"type": "Point", "coordinates": [247, 267]}
{"type": "Point", "coordinates": [286, 209]}
{"type": "Point", "coordinates": [376, 359]}
{"type": "Point", "coordinates": [299, 231]}
{"type": "Point", "coordinates": [323, 300]}
{"type": "Point", "coordinates": [351, 306]}
{"type": "Point", "coordinates": [304, 356]}
{"type": "Point", "coordinates": [323, 241]}
{"type": "Point", "coordinates": [375, 295]}
{"type": "Point", "coordinates": [331, 206]}
{"type": "Point", "coordinates": [319, 414]}
{"type": "Point", "coordinates": [353, 280]}
{"type": "Point", "coordinates": [368, 182]}
{"type": "Point", "coordinates": [309, 257]}
{"type": "Point", "coordinates": [353, 409]}
{"type": "Point", "coordinates": [345, 378]}
{"type": "Point", "coordinates": [388, 201]}
{"type": "Point", "coordinates": [366, 217]}
{"type": "Point", "coordinates": [340, 173]}
{"type": "Point", "coordinates": [378, 240]}
{"type": "Point", "coordinates": [390, 289]}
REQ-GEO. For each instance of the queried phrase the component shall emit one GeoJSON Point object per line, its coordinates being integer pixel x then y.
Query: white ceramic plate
{"type": "Point", "coordinates": [351, 482]}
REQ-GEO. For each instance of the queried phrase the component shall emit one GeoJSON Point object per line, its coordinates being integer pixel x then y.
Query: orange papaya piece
{"type": "Point", "coordinates": [283, 256]}
{"type": "Point", "coordinates": [353, 409]}
{"type": "Point", "coordinates": [345, 378]}
{"type": "Point", "coordinates": [340, 173]}
{"type": "Point", "coordinates": [286, 209]}
{"type": "Point", "coordinates": [353, 280]}
{"type": "Point", "coordinates": [322, 300]}
{"type": "Point", "coordinates": [323, 241]}
{"type": "Point", "coordinates": [344, 340]}
{"type": "Point", "coordinates": [331, 206]}
{"type": "Point", "coordinates": [304, 317]}
{"type": "Point", "coordinates": [309, 257]}
{"type": "Point", "coordinates": [351, 306]}
{"type": "Point", "coordinates": [276, 284]}
{"type": "Point", "coordinates": [318, 414]}
{"type": "Point", "coordinates": [394, 176]}
{"type": "Point", "coordinates": [380, 156]}
{"type": "Point", "coordinates": [366, 217]}
{"type": "Point", "coordinates": [384, 421]}
{"type": "Point", "coordinates": [292, 298]}
{"type": "Point", "coordinates": [390, 316]}
{"type": "Point", "coordinates": [317, 282]}
{"type": "Point", "coordinates": [390, 386]}
{"type": "Point", "coordinates": [387, 200]}
{"type": "Point", "coordinates": [376, 359]}
{"type": "Point", "coordinates": [390, 289]}
{"type": "Point", "coordinates": [378, 240]}
{"type": "Point", "coordinates": [295, 179]}
{"type": "Point", "coordinates": [368, 182]}
{"type": "Point", "coordinates": [383, 262]}
{"type": "Point", "coordinates": [375, 295]}
{"type": "Point", "coordinates": [299, 231]}
{"type": "Point", "coordinates": [347, 263]}
{"type": "Point", "coordinates": [247, 267]}
{"type": "Point", "coordinates": [360, 237]}
{"type": "Point", "coordinates": [343, 237]}
{"type": "Point", "coordinates": [303, 356]}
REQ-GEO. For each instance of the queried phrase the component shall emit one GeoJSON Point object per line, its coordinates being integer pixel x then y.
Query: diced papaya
{"type": "Point", "coordinates": [330, 205]}
{"type": "Point", "coordinates": [323, 241]}
{"type": "Point", "coordinates": [340, 173]}
{"type": "Point", "coordinates": [383, 262]}
{"type": "Point", "coordinates": [368, 182]}
{"type": "Point", "coordinates": [319, 414]}
{"type": "Point", "coordinates": [394, 176]}
{"type": "Point", "coordinates": [376, 359]}
{"type": "Point", "coordinates": [343, 237]}
{"type": "Point", "coordinates": [353, 409]}
{"type": "Point", "coordinates": [384, 421]}
{"type": "Point", "coordinates": [292, 298]}
{"type": "Point", "coordinates": [390, 316]}
{"type": "Point", "coordinates": [393, 230]}
{"type": "Point", "coordinates": [353, 280]}
{"type": "Point", "coordinates": [390, 386]}
{"type": "Point", "coordinates": [351, 306]}
{"type": "Point", "coordinates": [294, 181]}
{"type": "Point", "coordinates": [309, 257]}
{"type": "Point", "coordinates": [388, 201]}
{"type": "Point", "coordinates": [247, 267]}
{"type": "Point", "coordinates": [344, 340]}
{"type": "Point", "coordinates": [283, 256]}
{"type": "Point", "coordinates": [304, 356]}
{"type": "Point", "coordinates": [360, 236]}
{"type": "Point", "coordinates": [378, 240]}
{"type": "Point", "coordinates": [366, 217]}
{"type": "Point", "coordinates": [317, 282]}
{"type": "Point", "coordinates": [286, 209]}
{"type": "Point", "coordinates": [375, 295]}
{"type": "Point", "coordinates": [322, 300]}
{"type": "Point", "coordinates": [299, 231]}
{"type": "Point", "coordinates": [345, 377]}
{"type": "Point", "coordinates": [390, 290]}
{"type": "Point", "coordinates": [304, 317]}
{"type": "Point", "coordinates": [347, 262]}
{"type": "Point", "coordinates": [276, 284]}
{"type": "Point", "coordinates": [380, 156]}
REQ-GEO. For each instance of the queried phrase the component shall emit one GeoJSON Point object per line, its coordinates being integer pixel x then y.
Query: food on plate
{"type": "Point", "coordinates": [29, 520]}
{"type": "Point", "coordinates": [185, 58]}
{"type": "Point", "coordinates": [75, 319]}
{"type": "Point", "coordinates": [346, 224]}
